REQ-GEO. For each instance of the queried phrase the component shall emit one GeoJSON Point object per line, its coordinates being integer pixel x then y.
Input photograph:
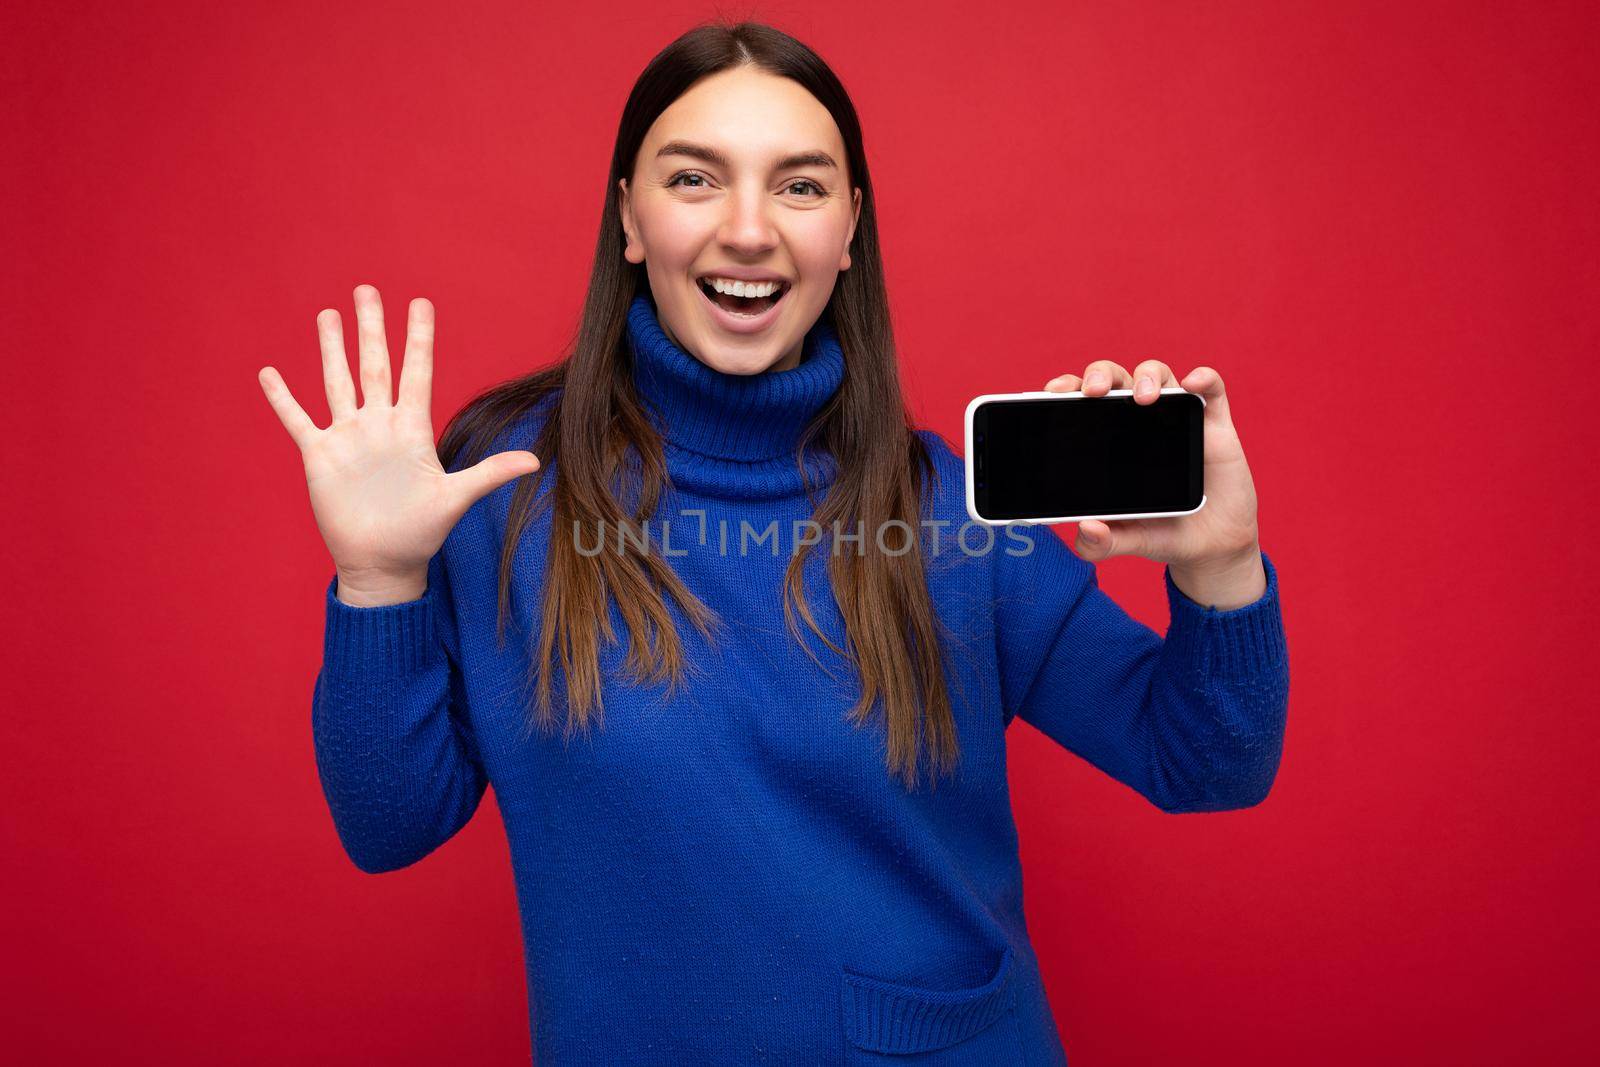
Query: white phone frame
{"type": "Point", "coordinates": [972, 484]}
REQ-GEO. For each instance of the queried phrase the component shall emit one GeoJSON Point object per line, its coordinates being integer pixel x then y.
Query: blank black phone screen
{"type": "Point", "coordinates": [1103, 455]}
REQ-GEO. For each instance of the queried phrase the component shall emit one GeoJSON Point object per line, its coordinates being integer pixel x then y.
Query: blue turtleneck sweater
{"type": "Point", "coordinates": [732, 876]}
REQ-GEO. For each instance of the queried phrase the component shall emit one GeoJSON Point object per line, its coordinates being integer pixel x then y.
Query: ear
{"type": "Point", "coordinates": [844, 260]}
{"type": "Point", "coordinates": [632, 251]}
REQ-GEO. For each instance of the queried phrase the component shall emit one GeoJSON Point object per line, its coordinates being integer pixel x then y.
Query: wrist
{"type": "Point", "coordinates": [1225, 582]}
{"type": "Point", "coordinates": [369, 589]}
{"type": "Point", "coordinates": [1228, 563]}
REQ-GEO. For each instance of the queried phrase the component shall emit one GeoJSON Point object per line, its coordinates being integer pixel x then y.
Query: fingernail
{"type": "Point", "coordinates": [1096, 379]}
{"type": "Point", "coordinates": [1088, 536]}
{"type": "Point", "coordinates": [1145, 387]}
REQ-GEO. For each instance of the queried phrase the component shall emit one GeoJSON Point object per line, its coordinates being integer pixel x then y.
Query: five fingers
{"type": "Point", "coordinates": [416, 377]}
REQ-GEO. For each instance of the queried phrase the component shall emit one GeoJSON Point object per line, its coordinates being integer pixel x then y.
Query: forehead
{"type": "Point", "coordinates": [751, 116]}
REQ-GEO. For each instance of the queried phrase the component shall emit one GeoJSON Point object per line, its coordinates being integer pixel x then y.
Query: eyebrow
{"type": "Point", "coordinates": [813, 158]}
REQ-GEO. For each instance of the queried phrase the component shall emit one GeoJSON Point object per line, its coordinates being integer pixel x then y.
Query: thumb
{"type": "Point", "coordinates": [1096, 541]}
{"type": "Point", "coordinates": [491, 473]}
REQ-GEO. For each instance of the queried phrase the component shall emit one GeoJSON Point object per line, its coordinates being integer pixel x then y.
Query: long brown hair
{"type": "Point", "coordinates": [597, 435]}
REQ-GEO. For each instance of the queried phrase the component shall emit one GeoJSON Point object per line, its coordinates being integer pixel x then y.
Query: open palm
{"type": "Point", "coordinates": [382, 501]}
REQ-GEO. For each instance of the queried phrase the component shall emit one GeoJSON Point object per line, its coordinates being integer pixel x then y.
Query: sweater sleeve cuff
{"type": "Point", "coordinates": [389, 640]}
{"type": "Point", "coordinates": [1238, 643]}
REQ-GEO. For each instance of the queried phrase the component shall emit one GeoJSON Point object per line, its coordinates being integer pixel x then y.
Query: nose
{"type": "Point", "coordinates": [747, 228]}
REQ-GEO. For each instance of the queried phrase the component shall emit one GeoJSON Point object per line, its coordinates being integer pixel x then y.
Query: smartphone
{"type": "Point", "coordinates": [1043, 457]}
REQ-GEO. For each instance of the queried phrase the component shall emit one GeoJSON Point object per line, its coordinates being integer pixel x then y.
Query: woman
{"type": "Point", "coordinates": [728, 853]}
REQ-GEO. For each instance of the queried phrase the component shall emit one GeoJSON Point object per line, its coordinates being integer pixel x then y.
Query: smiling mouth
{"type": "Point", "coordinates": [747, 306]}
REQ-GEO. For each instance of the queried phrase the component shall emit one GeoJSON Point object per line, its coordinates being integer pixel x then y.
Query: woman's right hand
{"type": "Point", "coordinates": [381, 499]}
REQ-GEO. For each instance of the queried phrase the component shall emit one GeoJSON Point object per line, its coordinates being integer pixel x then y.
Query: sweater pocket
{"type": "Point", "coordinates": [886, 1023]}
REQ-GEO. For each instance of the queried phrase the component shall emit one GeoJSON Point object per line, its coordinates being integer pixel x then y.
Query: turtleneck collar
{"type": "Point", "coordinates": [746, 418]}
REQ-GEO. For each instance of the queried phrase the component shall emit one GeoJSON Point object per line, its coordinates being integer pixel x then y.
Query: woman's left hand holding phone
{"type": "Point", "coordinates": [1214, 552]}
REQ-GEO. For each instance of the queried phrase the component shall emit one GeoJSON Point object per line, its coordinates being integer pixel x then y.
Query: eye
{"type": "Point", "coordinates": [817, 192]}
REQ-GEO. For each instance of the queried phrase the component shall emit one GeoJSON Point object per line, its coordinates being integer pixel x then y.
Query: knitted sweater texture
{"type": "Point", "coordinates": [731, 875]}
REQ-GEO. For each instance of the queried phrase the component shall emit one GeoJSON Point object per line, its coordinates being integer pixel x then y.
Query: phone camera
{"type": "Point", "coordinates": [980, 483]}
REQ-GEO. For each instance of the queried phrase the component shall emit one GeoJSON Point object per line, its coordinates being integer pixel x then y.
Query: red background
{"type": "Point", "coordinates": [1377, 220]}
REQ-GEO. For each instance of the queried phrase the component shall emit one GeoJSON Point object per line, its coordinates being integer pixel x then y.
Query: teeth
{"type": "Point", "coordinates": [745, 289]}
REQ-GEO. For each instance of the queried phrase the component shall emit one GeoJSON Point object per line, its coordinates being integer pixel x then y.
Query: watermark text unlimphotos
{"type": "Point", "coordinates": [892, 538]}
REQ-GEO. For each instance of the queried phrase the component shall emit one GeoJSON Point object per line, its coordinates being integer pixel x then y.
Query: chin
{"type": "Point", "coordinates": [740, 363]}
